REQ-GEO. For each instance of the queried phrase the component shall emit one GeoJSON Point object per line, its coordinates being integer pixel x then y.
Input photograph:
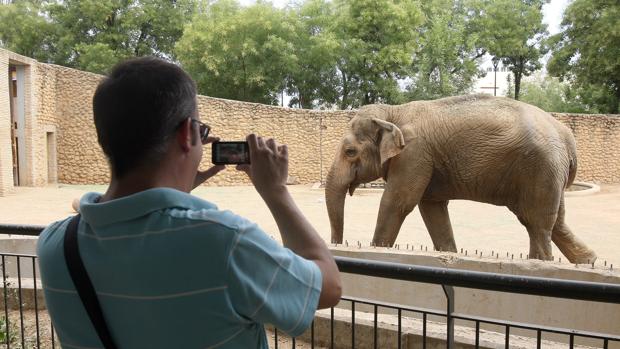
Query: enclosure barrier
{"type": "Point", "coordinates": [17, 301]}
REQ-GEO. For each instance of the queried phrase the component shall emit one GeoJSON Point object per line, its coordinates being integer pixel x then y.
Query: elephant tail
{"type": "Point", "coordinates": [572, 164]}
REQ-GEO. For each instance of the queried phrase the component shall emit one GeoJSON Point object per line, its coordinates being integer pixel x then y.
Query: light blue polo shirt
{"type": "Point", "coordinates": [173, 271]}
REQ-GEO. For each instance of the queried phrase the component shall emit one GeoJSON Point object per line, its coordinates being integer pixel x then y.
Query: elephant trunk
{"type": "Point", "coordinates": [335, 194]}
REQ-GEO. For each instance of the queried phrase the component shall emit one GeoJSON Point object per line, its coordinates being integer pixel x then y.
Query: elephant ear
{"type": "Point", "coordinates": [391, 141]}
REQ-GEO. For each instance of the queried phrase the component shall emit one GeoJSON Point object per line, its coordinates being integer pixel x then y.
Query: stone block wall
{"type": "Point", "coordinates": [59, 114]}
{"type": "Point", "coordinates": [598, 146]}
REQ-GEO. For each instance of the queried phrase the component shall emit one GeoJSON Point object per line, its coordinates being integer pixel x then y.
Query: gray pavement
{"type": "Point", "coordinates": [593, 218]}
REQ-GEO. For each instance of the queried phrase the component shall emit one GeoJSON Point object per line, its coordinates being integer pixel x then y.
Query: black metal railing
{"type": "Point", "coordinates": [26, 324]}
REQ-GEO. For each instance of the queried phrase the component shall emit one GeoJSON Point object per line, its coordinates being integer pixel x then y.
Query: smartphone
{"type": "Point", "coordinates": [230, 153]}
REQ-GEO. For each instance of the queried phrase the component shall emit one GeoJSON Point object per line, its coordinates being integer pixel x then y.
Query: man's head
{"type": "Point", "coordinates": [138, 108]}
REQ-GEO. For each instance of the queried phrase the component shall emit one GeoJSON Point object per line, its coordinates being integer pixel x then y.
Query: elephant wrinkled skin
{"type": "Point", "coordinates": [482, 148]}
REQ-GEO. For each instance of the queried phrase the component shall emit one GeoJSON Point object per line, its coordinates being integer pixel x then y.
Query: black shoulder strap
{"type": "Point", "coordinates": [84, 287]}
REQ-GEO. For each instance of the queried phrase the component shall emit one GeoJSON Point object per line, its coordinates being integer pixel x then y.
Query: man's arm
{"type": "Point", "coordinates": [268, 172]}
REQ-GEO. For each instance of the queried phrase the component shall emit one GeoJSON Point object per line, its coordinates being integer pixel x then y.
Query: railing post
{"type": "Point", "coordinates": [449, 291]}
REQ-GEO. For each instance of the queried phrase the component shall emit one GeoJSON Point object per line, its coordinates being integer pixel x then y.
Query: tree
{"type": "Point", "coordinates": [514, 32]}
{"type": "Point", "coordinates": [552, 95]}
{"type": "Point", "coordinates": [24, 31]}
{"type": "Point", "coordinates": [446, 62]}
{"type": "Point", "coordinates": [241, 53]}
{"type": "Point", "coordinates": [587, 51]}
{"type": "Point", "coordinates": [313, 81]}
{"type": "Point", "coordinates": [93, 35]}
{"type": "Point", "coordinates": [377, 38]}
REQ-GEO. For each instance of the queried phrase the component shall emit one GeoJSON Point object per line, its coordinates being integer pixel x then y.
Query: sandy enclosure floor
{"type": "Point", "coordinates": [593, 218]}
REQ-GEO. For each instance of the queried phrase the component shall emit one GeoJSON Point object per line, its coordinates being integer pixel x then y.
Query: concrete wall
{"type": "Point", "coordinates": [58, 106]}
{"type": "Point", "coordinates": [554, 312]}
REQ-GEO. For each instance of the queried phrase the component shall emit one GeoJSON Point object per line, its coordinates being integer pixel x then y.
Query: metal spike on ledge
{"type": "Point", "coordinates": [426, 248]}
{"type": "Point", "coordinates": [592, 265]}
{"type": "Point", "coordinates": [512, 257]}
{"type": "Point", "coordinates": [461, 250]}
{"type": "Point", "coordinates": [407, 246]}
{"type": "Point", "coordinates": [560, 259]}
{"type": "Point", "coordinates": [521, 255]}
{"type": "Point", "coordinates": [605, 263]}
{"type": "Point", "coordinates": [346, 243]}
{"type": "Point", "coordinates": [465, 252]}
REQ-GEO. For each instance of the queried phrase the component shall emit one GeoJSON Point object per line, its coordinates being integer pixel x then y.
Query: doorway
{"type": "Point", "coordinates": [52, 172]}
{"type": "Point", "coordinates": [13, 112]}
{"type": "Point", "coordinates": [17, 105]}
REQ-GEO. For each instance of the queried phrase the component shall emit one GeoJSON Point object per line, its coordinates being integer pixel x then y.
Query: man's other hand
{"type": "Point", "coordinates": [203, 176]}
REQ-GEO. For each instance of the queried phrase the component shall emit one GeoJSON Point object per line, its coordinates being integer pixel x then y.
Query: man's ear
{"type": "Point", "coordinates": [184, 135]}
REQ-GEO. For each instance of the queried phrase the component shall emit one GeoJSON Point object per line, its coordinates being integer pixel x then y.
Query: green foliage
{"type": "Point", "coordinates": [552, 95]}
{"type": "Point", "coordinates": [587, 51]}
{"type": "Point", "coordinates": [93, 35]}
{"type": "Point", "coordinates": [241, 53]}
{"type": "Point", "coordinates": [446, 62]}
{"type": "Point", "coordinates": [513, 31]}
{"type": "Point", "coordinates": [22, 30]}
{"type": "Point", "coordinates": [377, 39]}
{"type": "Point", "coordinates": [334, 53]}
{"type": "Point", "coordinates": [313, 81]}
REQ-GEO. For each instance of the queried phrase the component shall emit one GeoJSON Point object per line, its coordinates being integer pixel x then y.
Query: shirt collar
{"type": "Point", "coordinates": [137, 205]}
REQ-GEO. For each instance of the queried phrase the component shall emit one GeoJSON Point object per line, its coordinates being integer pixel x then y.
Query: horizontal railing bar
{"type": "Point", "coordinates": [18, 255]}
{"type": "Point", "coordinates": [543, 328]}
{"type": "Point", "coordinates": [21, 229]}
{"type": "Point", "coordinates": [569, 289]}
{"type": "Point", "coordinates": [394, 306]}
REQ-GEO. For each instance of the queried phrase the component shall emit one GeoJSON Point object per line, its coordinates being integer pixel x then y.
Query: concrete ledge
{"type": "Point", "coordinates": [592, 189]}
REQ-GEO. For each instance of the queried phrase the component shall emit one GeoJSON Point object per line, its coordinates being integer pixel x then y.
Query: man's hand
{"type": "Point", "coordinates": [203, 176]}
{"type": "Point", "coordinates": [268, 168]}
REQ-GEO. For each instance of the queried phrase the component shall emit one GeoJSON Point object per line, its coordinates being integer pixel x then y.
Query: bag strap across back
{"type": "Point", "coordinates": [84, 286]}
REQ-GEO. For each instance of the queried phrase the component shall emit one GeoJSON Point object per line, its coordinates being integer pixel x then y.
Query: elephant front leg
{"type": "Point", "coordinates": [395, 206]}
{"type": "Point", "coordinates": [437, 221]}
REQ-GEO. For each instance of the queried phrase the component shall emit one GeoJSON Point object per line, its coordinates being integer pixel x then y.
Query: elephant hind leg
{"type": "Point", "coordinates": [573, 248]}
{"type": "Point", "coordinates": [437, 221]}
{"type": "Point", "coordinates": [539, 228]}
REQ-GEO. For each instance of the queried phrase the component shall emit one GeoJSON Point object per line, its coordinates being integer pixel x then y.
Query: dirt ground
{"type": "Point", "coordinates": [593, 218]}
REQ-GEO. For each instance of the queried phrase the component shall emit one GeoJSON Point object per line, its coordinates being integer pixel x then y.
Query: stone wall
{"type": "Point", "coordinates": [59, 124]}
{"type": "Point", "coordinates": [598, 146]}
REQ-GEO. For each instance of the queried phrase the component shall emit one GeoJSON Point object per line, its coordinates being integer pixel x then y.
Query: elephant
{"type": "Point", "coordinates": [488, 149]}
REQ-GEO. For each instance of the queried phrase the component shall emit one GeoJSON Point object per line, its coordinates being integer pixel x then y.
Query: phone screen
{"type": "Point", "coordinates": [228, 153]}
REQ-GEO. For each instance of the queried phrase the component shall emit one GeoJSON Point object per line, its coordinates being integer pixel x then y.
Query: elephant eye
{"type": "Point", "coordinates": [350, 152]}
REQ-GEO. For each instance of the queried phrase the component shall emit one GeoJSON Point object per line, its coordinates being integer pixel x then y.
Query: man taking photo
{"type": "Point", "coordinates": [170, 270]}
